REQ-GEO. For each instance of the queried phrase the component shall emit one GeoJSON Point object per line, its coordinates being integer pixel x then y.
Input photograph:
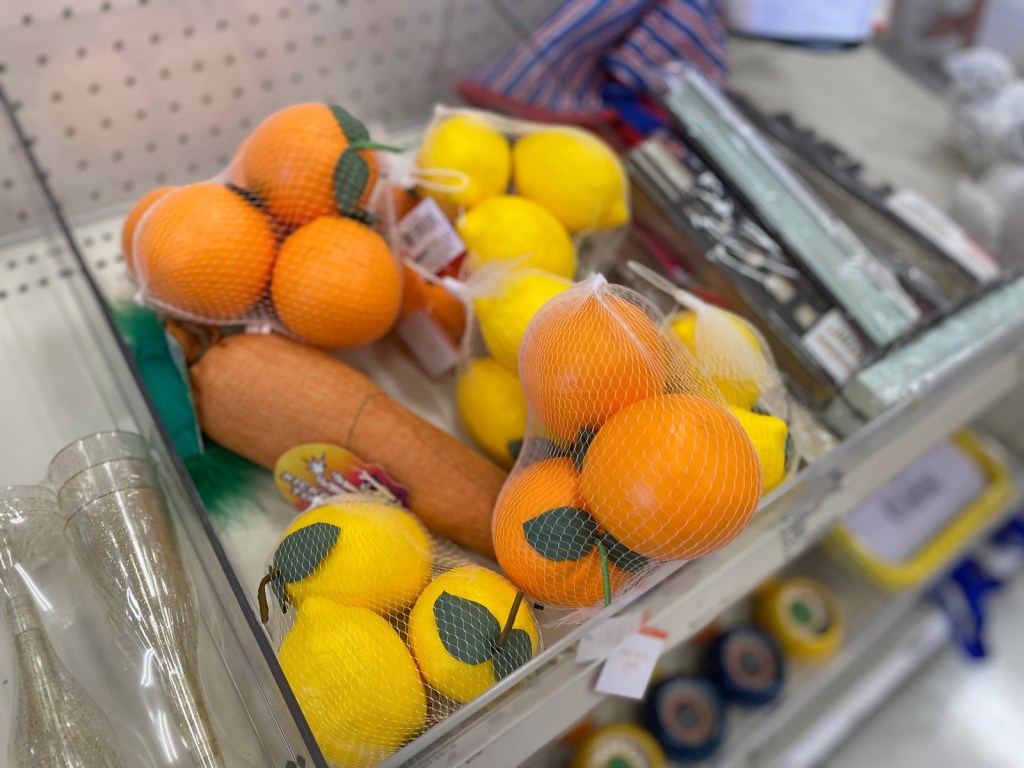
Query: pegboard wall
{"type": "Point", "coordinates": [118, 96]}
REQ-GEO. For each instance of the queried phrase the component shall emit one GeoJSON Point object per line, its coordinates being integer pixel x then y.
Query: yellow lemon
{"type": "Point", "coordinates": [355, 680]}
{"type": "Point", "coordinates": [358, 554]}
{"type": "Point", "coordinates": [771, 440]}
{"type": "Point", "coordinates": [731, 354]}
{"type": "Point", "coordinates": [510, 228]}
{"type": "Point", "coordinates": [574, 175]}
{"type": "Point", "coordinates": [504, 315]}
{"type": "Point", "coordinates": [455, 624]}
{"type": "Point", "coordinates": [493, 409]}
{"type": "Point", "coordinates": [468, 157]}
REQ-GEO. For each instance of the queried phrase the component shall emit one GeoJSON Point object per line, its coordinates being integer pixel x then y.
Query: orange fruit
{"type": "Point", "coordinates": [434, 299]}
{"type": "Point", "coordinates": [587, 355]}
{"type": "Point", "coordinates": [289, 161]}
{"type": "Point", "coordinates": [336, 283]}
{"type": "Point", "coordinates": [672, 477]}
{"type": "Point", "coordinates": [131, 222]}
{"type": "Point", "coordinates": [205, 251]}
{"type": "Point", "coordinates": [546, 541]}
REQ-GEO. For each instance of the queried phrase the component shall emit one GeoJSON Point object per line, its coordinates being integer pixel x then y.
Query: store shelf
{"type": "Point", "coordinates": [71, 376]}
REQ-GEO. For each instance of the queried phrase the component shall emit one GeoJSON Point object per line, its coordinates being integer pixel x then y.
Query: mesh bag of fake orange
{"type": "Point", "coordinates": [632, 457]}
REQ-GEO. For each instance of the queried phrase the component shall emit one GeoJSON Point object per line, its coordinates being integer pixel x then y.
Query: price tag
{"type": "Point", "coordinates": [907, 512]}
{"type": "Point", "coordinates": [602, 640]}
{"type": "Point", "coordinates": [429, 342]}
{"type": "Point", "coordinates": [835, 345]}
{"type": "Point", "coordinates": [428, 238]}
{"type": "Point", "coordinates": [629, 667]}
{"type": "Point", "coordinates": [944, 233]}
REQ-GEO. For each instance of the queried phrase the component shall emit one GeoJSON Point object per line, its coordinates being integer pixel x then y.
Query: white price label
{"type": "Point", "coordinates": [629, 667]}
{"type": "Point", "coordinates": [603, 639]}
{"type": "Point", "coordinates": [428, 238]}
{"type": "Point", "coordinates": [946, 234]}
{"type": "Point", "coordinates": [909, 510]}
{"type": "Point", "coordinates": [835, 345]}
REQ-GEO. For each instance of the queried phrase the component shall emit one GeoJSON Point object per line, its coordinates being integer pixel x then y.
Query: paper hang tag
{"type": "Point", "coordinates": [603, 639]}
{"type": "Point", "coordinates": [312, 472]}
{"type": "Point", "coordinates": [428, 238]}
{"type": "Point", "coordinates": [629, 667]}
{"type": "Point", "coordinates": [429, 342]}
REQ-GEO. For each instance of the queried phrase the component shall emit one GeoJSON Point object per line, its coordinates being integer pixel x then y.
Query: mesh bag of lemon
{"type": "Point", "coordinates": [632, 456]}
{"type": "Point", "coordinates": [382, 629]}
{"type": "Point", "coordinates": [531, 193]}
{"type": "Point", "coordinates": [285, 238]}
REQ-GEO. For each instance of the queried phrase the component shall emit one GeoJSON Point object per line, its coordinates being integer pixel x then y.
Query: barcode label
{"type": "Point", "coordinates": [835, 346]}
{"type": "Point", "coordinates": [428, 238]}
{"type": "Point", "coordinates": [944, 233]}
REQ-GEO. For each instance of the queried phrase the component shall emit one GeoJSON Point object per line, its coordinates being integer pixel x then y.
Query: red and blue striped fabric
{"type": "Point", "coordinates": [560, 71]}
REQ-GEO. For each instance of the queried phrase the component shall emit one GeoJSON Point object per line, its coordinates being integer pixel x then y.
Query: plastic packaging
{"type": "Point", "coordinates": [631, 456]}
{"type": "Point", "coordinates": [284, 238]}
{"type": "Point", "coordinates": [384, 630]}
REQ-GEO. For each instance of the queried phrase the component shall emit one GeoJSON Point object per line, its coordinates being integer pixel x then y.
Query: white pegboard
{"type": "Point", "coordinates": [135, 94]}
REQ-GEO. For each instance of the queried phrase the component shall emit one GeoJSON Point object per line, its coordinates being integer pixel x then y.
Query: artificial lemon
{"type": "Point", "coordinates": [514, 229]}
{"type": "Point", "coordinates": [355, 680]}
{"type": "Point", "coordinates": [771, 440]}
{"type": "Point", "coordinates": [356, 553]}
{"type": "Point", "coordinates": [493, 409]}
{"type": "Point", "coordinates": [727, 350]}
{"type": "Point", "coordinates": [454, 626]}
{"type": "Point", "coordinates": [574, 175]}
{"type": "Point", "coordinates": [505, 313]}
{"type": "Point", "coordinates": [468, 158]}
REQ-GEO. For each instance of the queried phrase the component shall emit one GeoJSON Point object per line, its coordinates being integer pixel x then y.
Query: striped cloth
{"type": "Point", "coordinates": [560, 71]}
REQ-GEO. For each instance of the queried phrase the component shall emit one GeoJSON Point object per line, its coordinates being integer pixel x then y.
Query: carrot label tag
{"type": "Point", "coordinates": [317, 471]}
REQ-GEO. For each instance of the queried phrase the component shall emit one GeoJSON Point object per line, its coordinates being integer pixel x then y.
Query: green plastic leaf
{"type": "Point", "coordinates": [350, 125]}
{"type": "Point", "coordinates": [302, 551]}
{"type": "Point", "coordinates": [466, 628]}
{"type": "Point", "coordinates": [578, 450]}
{"type": "Point", "coordinates": [514, 447]}
{"type": "Point", "coordinates": [562, 533]}
{"type": "Point", "coordinates": [351, 175]}
{"type": "Point", "coordinates": [789, 453]}
{"type": "Point", "coordinates": [516, 651]}
{"type": "Point", "coordinates": [622, 556]}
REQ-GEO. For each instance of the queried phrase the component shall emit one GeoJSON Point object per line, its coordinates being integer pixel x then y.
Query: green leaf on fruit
{"type": "Point", "coordinates": [578, 450]}
{"type": "Point", "coordinates": [350, 125]}
{"type": "Point", "coordinates": [514, 447]}
{"type": "Point", "coordinates": [562, 533]}
{"type": "Point", "coordinates": [622, 556]}
{"type": "Point", "coordinates": [516, 651]}
{"type": "Point", "coordinates": [466, 628]}
{"type": "Point", "coordinates": [351, 176]}
{"type": "Point", "coordinates": [303, 550]}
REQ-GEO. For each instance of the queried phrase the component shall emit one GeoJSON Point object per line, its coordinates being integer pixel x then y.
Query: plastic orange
{"type": "Point", "coordinates": [289, 161]}
{"type": "Point", "coordinates": [434, 299]}
{"type": "Point", "coordinates": [584, 359]}
{"type": "Point", "coordinates": [131, 222]}
{"type": "Point", "coordinates": [336, 283]}
{"type": "Point", "coordinates": [205, 251]}
{"type": "Point", "coordinates": [672, 477]}
{"type": "Point", "coordinates": [557, 563]}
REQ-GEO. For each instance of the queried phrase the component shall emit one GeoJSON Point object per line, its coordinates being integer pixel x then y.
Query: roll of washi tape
{"type": "Point", "coordinates": [623, 745]}
{"type": "Point", "coordinates": [747, 664]}
{"type": "Point", "coordinates": [687, 716]}
{"type": "Point", "coordinates": [803, 616]}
